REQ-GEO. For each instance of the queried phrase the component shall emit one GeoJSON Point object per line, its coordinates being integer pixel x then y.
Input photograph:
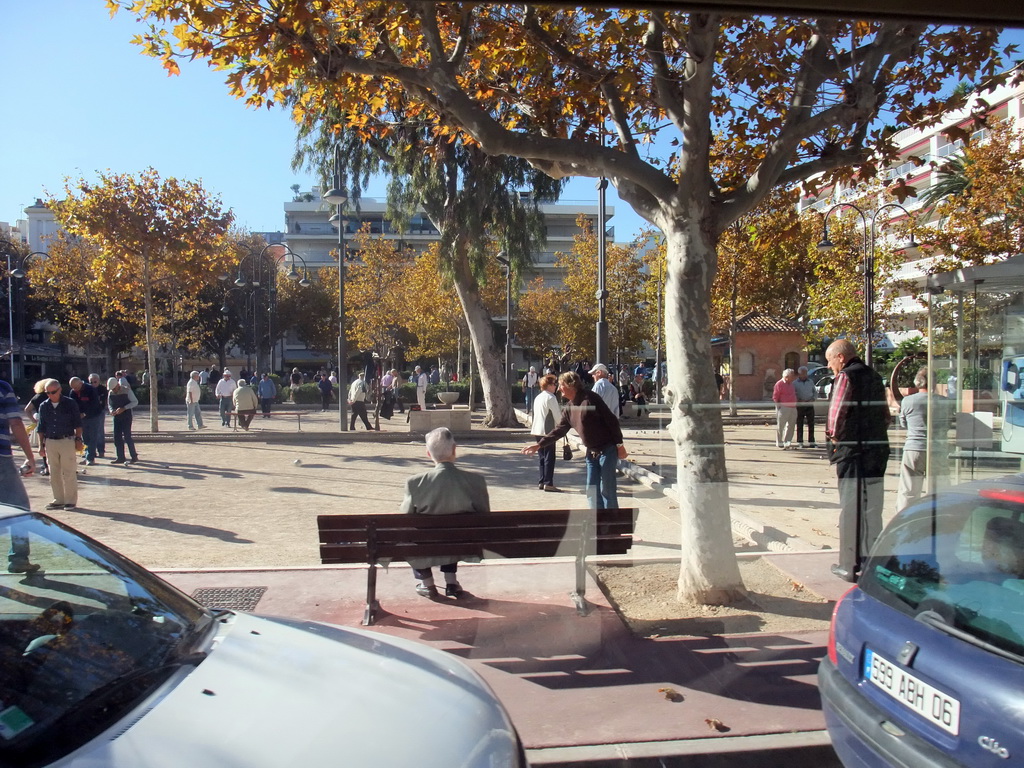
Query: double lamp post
{"type": "Point", "coordinates": [262, 276]}
{"type": "Point", "coordinates": [869, 223]}
{"type": "Point", "coordinates": [336, 196]}
{"type": "Point", "coordinates": [15, 271]}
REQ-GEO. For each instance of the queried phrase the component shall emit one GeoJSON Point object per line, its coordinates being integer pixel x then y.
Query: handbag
{"type": "Point", "coordinates": [566, 450]}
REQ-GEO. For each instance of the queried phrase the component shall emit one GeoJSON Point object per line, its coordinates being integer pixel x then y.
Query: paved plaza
{"type": "Point", "coordinates": [221, 509]}
{"type": "Point", "coordinates": [225, 498]}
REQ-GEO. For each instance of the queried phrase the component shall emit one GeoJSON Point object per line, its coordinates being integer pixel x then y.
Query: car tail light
{"type": "Point", "coordinates": [1002, 494]}
{"type": "Point", "coordinates": [832, 627]}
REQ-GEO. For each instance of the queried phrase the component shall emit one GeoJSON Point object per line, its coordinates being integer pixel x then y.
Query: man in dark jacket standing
{"type": "Point", "coordinates": [858, 442]}
{"type": "Point", "coordinates": [91, 408]}
{"type": "Point", "coordinates": [599, 430]}
{"type": "Point", "coordinates": [326, 390]}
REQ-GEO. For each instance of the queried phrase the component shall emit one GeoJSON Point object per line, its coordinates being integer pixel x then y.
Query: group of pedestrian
{"type": "Point", "coordinates": [794, 395]}
{"type": "Point", "coordinates": [446, 489]}
{"type": "Point", "coordinates": [71, 425]}
{"type": "Point", "coordinates": [241, 398]}
{"type": "Point", "coordinates": [598, 428]}
{"type": "Point", "coordinates": [69, 429]}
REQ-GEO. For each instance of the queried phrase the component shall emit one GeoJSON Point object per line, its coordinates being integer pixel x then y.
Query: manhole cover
{"type": "Point", "coordinates": [229, 598]}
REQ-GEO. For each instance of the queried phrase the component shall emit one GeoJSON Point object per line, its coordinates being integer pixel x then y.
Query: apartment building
{"type": "Point", "coordinates": [310, 233]}
{"type": "Point", "coordinates": [922, 156]}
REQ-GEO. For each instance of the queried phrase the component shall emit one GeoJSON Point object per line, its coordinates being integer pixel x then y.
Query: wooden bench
{"type": "Point", "coordinates": [259, 415]}
{"type": "Point", "coordinates": [529, 534]}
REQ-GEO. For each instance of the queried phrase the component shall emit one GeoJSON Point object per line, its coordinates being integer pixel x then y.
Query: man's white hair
{"type": "Point", "coordinates": [788, 372]}
{"type": "Point", "coordinates": [440, 444]}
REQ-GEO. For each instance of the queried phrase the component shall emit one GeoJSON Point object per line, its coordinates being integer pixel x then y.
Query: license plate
{"type": "Point", "coordinates": [929, 702]}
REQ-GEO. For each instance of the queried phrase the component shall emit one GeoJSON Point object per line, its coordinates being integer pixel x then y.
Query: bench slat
{"type": "Point", "coordinates": [488, 519]}
{"type": "Point", "coordinates": [475, 533]}
{"type": "Point", "coordinates": [334, 553]}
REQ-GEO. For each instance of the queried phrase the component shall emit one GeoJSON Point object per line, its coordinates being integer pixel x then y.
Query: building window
{"type": "Point", "coordinates": [792, 360]}
{"type": "Point", "coordinates": [745, 364]}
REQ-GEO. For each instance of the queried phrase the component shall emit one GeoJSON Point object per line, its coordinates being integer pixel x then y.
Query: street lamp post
{"type": "Point", "coordinates": [601, 346]}
{"type": "Point", "coordinates": [508, 318]}
{"type": "Point", "coordinates": [10, 315]}
{"type": "Point", "coordinates": [14, 272]}
{"type": "Point", "coordinates": [657, 343]}
{"type": "Point", "coordinates": [263, 276]}
{"type": "Point", "coordinates": [868, 263]}
{"type": "Point", "coordinates": [336, 196]}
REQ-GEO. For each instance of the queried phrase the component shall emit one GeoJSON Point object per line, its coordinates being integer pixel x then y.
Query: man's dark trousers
{"type": "Point", "coordinates": [805, 415]}
{"type": "Point", "coordinates": [861, 479]}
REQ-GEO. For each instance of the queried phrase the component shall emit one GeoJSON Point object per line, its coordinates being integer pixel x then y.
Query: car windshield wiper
{"type": "Point", "coordinates": [99, 709]}
{"type": "Point", "coordinates": [197, 632]}
{"type": "Point", "coordinates": [937, 621]}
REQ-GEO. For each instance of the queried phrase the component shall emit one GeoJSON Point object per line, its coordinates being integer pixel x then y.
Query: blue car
{"type": "Point", "coordinates": [925, 662]}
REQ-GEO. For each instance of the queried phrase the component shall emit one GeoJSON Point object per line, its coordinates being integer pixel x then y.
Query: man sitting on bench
{"type": "Point", "coordinates": [444, 490]}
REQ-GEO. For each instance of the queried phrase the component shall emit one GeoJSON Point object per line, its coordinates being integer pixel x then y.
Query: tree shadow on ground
{"type": "Point", "coordinates": [167, 524]}
{"type": "Point", "coordinates": [553, 647]}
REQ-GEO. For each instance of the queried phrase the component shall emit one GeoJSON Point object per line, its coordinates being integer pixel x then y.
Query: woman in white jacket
{"type": "Point", "coordinates": [546, 414]}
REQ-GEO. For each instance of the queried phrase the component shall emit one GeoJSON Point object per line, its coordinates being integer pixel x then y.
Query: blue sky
{"type": "Point", "coordinates": [81, 99]}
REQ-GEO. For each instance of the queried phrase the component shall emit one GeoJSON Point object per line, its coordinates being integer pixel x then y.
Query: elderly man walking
{"type": "Point", "coordinates": [193, 394]}
{"type": "Point", "coordinates": [357, 399]}
{"type": "Point", "coordinates": [91, 408]}
{"type": "Point", "coordinates": [245, 402]}
{"type": "Point", "coordinates": [784, 396]}
{"type": "Point", "coordinates": [224, 391]}
{"type": "Point", "coordinates": [60, 435]}
{"type": "Point", "coordinates": [805, 397]}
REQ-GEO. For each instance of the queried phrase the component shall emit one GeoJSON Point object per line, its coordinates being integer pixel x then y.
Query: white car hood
{"type": "Point", "coordinates": [280, 693]}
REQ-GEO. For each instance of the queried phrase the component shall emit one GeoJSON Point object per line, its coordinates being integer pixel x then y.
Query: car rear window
{"type": "Point", "coordinates": [960, 557]}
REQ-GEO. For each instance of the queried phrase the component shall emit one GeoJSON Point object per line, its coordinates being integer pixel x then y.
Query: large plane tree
{"type": "Point", "coordinates": [694, 117]}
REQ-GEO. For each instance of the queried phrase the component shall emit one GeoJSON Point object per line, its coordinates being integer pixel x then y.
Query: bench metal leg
{"type": "Point", "coordinates": [582, 606]}
{"type": "Point", "coordinates": [372, 606]}
{"type": "Point", "coordinates": [299, 418]}
{"type": "Point", "coordinates": [577, 595]}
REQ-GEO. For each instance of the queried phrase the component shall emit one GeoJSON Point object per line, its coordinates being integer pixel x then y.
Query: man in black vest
{"type": "Point", "coordinates": [858, 442]}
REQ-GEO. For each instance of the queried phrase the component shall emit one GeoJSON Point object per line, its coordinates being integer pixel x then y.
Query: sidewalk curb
{"type": "Point", "coordinates": [741, 750]}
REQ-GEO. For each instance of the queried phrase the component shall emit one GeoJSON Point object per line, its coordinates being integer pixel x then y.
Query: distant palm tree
{"type": "Point", "coordinates": [953, 181]}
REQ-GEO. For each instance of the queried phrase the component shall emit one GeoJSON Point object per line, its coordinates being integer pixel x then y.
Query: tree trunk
{"type": "Point", "coordinates": [90, 358]}
{"type": "Point", "coordinates": [708, 570]}
{"type": "Point", "coordinates": [497, 398]}
{"type": "Point", "coordinates": [154, 411]}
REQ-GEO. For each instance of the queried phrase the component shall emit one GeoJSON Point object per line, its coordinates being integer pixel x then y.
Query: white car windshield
{"type": "Point", "coordinates": [82, 640]}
